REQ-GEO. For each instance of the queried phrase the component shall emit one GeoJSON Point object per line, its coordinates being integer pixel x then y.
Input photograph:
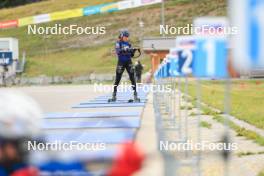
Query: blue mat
{"type": "Point", "coordinates": [109, 105]}
{"type": "Point", "coordinates": [125, 99]}
{"type": "Point", "coordinates": [139, 92]}
{"type": "Point", "coordinates": [122, 96]}
{"type": "Point", "coordinates": [91, 114]}
{"type": "Point", "coordinates": [111, 136]}
{"type": "Point", "coordinates": [125, 95]}
{"type": "Point", "coordinates": [106, 102]}
{"type": "Point", "coordinates": [94, 123]}
{"type": "Point", "coordinates": [41, 157]}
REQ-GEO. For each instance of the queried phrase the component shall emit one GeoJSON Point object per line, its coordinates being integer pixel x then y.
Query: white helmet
{"type": "Point", "coordinates": [20, 115]}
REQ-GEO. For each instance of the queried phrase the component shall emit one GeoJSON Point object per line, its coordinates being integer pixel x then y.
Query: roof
{"type": "Point", "coordinates": [158, 43]}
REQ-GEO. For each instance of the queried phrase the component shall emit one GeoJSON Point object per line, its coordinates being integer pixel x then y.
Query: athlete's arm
{"type": "Point", "coordinates": [118, 48]}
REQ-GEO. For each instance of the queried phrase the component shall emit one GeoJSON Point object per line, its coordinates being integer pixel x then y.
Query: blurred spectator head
{"type": "Point", "coordinates": [19, 122]}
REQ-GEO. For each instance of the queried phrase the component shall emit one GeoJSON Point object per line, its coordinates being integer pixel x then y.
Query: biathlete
{"type": "Point", "coordinates": [125, 53]}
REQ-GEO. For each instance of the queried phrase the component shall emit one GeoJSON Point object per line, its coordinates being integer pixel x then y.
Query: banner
{"type": "Point", "coordinates": [25, 21]}
{"type": "Point", "coordinates": [8, 24]}
{"type": "Point", "coordinates": [248, 38]}
{"type": "Point", "coordinates": [66, 14]}
{"type": "Point", "coordinates": [211, 51]}
{"type": "Point", "coordinates": [124, 4]}
{"type": "Point", "coordinates": [136, 3]}
{"type": "Point", "coordinates": [42, 18]}
{"type": "Point", "coordinates": [109, 7]}
{"type": "Point", "coordinates": [211, 26]}
{"type": "Point", "coordinates": [148, 2]}
{"type": "Point", "coordinates": [92, 10]}
{"type": "Point", "coordinates": [103, 8]}
{"type": "Point", "coordinates": [6, 58]}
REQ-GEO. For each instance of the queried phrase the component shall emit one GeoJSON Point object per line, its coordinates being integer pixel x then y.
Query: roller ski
{"type": "Point", "coordinates": [135, 100]}
{"type": "Point", "coordinates": [113, 99]}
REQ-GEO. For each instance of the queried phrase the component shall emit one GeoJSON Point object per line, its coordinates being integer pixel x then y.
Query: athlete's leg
{"type": "Point", "coordinates": [119, 72]}
{"type": "Point", "coordinates": [131, 73]}
{"type": "Point", "coordinates": [138, 76]}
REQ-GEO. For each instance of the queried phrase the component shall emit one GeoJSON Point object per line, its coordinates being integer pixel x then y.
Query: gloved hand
{"type": "Point", "coordinates": [126, 49]}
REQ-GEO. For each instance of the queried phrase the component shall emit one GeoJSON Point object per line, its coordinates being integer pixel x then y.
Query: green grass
{"type": "Point", "coordinates": [70, 55]}
{"type": "Point", "coordinates": [187, 107]}
{"type": "Point", "coordinates": [251, 135]}
{"type": "Point", "coordinates": [261, 173]}
{"type": "Point", "coordinates": [205, 124]}
{"type": "Point", "coordinates": [208, 111]}
{"type": "Point", "coordinates": [246, 99]}
{"type": "Point", "coordinates": [71, 62]}
{"type": "Point", "coordinates": [248, 134]}
{"type": "Point", "coordinates": [241, 154]}
{"type": "Point", "coordinates": [75, 62]}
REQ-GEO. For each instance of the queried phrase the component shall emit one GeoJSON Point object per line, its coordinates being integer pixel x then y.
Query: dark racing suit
{"type": "Point", "coordinates": [123, 51]}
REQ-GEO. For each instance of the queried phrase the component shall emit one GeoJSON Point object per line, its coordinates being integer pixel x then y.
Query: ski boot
{"type": "Point", "coordinates": [135, 100]}
{"type": "Point", "coordinates": [113, 99]}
